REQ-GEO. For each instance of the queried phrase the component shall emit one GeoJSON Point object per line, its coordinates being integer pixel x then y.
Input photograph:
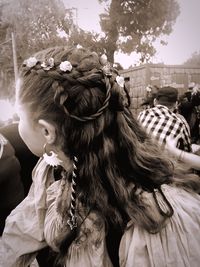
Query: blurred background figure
{"type": "Point", "coordinates": [16, 165]}
{"type": "Point", "coordinates": [151, 91]}
{"type": "Point", "coordinates": [161, 120]}
{"type": "Point", "coordinates": [189, 107]}
{"type": "Point", "coordinates": [26, 159]}
{"type": "Point", "coordinates": [11, 186]}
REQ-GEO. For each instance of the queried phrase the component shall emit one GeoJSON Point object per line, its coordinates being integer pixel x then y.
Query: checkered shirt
{"type": "Point", "coordinates": [160, 122]}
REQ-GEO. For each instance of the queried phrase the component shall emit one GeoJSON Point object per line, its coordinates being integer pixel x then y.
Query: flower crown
{"type": "Point", "coordinates": [66, 66]}
{"type": "Point", "coordinates": [108, 71]}
{"type": "Point", "coordinates": [48, 64]}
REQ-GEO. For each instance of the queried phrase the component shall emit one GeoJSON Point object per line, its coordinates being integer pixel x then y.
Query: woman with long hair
{"type": "Point", "coordinates": [103, 193]}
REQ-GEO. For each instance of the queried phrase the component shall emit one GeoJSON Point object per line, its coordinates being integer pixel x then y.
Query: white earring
{"type": "Point", "coordinates": [51, 159]}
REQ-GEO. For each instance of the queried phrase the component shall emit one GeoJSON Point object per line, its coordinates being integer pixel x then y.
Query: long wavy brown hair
{"type": "Point", "coordinates": [94, 123]}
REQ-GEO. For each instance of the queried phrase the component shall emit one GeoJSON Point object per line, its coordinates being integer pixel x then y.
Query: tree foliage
{"type": "Point", "coordinates": [133, 25]}
{"type": "Point", "coordinates": [194, 60]}
{"type": "Point", "coordinates": [88, 39]}
{"type": "Point", "coordinates": [35, 24]}
{"type": "Point", "coordinates": [127, 25]}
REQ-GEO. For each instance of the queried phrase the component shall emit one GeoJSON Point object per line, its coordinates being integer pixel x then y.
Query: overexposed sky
{"type": "Point", "coordinates": [185, 38]}
{"type": "Point", "coordinates": [87, 13]}
{"type": "Point", "coordinates": [182, 42]}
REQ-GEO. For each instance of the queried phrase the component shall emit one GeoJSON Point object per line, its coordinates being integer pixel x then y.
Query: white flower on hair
{"type": "Point", "coordinates": [65, 66]}
{"type": "Point", "coordinates": [120, 80]}
{"type": "Point", "coordinates": [31, 62]}
{"type": "Point", "coordinates": [79, 46]}
{"type": "Point", "coordinates": [103, 59]}
{"type": "Point", "coordinates": [48, 64]}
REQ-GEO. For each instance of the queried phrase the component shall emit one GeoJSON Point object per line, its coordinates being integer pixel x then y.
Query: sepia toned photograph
{"type": "Point", "coordinates": [99, 133]}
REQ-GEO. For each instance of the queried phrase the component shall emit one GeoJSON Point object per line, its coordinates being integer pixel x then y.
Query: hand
{"type": "Point", "coordinates": [171, 142]}
{"type": "Point", "coordinates": [195, 148]}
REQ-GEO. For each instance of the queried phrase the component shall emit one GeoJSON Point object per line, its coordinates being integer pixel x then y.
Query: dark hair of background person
{"type": "Point", "coordinates": [26, 161]}
{"type": "Point", "coordinates": [167, 96]}
{"type": "Point", "coordinates": [11, 187]}
{"type": "Point", "coordinates": [26, 158]}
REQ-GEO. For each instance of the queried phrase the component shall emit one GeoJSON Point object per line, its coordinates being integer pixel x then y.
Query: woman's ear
{"type": "Point", "coordinates": [48, 131]}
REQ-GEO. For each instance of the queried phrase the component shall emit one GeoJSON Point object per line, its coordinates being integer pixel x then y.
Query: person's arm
{"type": "Point", "coordinates": [189, 158]}
{"type": "Point", "coordinates": [23, 235]}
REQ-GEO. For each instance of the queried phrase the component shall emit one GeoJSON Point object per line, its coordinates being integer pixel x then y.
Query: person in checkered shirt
{"type": "Point", "coordinates": [161, 121]}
